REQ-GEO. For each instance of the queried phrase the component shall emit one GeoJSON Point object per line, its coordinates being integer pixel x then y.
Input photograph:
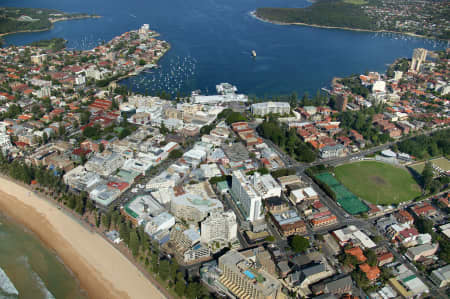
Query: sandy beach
{"type": "Point", "coordinates": [101, 269]}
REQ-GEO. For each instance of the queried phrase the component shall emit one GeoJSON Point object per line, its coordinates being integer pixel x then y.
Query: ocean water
{"type": "Point", "coordinates": [212, 41]}
{"type": "Point", "coordinates": [30, 270]}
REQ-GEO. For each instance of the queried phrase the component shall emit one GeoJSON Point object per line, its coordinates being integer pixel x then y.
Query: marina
{"type": "Point", "coordinates": [212, 41]}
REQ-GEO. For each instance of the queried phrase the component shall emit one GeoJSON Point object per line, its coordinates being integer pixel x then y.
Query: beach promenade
{"type": "Point", "coordinates": [102, 270]}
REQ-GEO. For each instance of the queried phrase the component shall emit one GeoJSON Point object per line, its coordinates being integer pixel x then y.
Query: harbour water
{"type": "Point", "coordinates": [29, 270]}
{"type": "Point", "coordinates": [212, 42]}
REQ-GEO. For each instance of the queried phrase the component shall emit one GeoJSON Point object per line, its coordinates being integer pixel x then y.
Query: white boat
{"type": "Point", "coordinates": [253, 53]}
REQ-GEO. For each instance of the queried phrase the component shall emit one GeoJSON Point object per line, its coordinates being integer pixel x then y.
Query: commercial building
{"type": "Point", "coordinates": [265, 185]}
{"type": "Point", "coordinates": [184, 238]}
{"type": "Point", "coordinates": [321, 219]}
{"type": "Point", "coordinates": [288, 180]}
{"type": "Point", "coordinates": [276, 205]}
{"type": "Point", "coordinates": [104, 164]}
{"type": "Point", "coordinates": [219, 226]}
{"type": "Point", "coordinates": [194, 157]}
{"type": "Point", "coordinates": [406, 283]}
{"type": "Point", "coordinates": [299, 195]}
{"type": "Point", "coordinates": [196, 253]}
{"type": "Point", "coordinates": [262, 257]}
{"type": "Point", "coordinates": [421, 251]}
{"type": "Point", "coordinates": [309, 274]}
{"type": "Point", "coordinates": [339, 286]}
{"type": "Point", "coordinates": [194, 208]}
{"type": "Point", "coordinates": [245, 278]}
{"type": "Point", "coordinates": [163, 180]}
{"type": "Point", "coordinates": [82, 180]}
{"type": "Point", "coordinates": [353, 235]}
{"type": "Point", "coordinates": [140, 208]}
{"type": "Point", "coordinates": [441, 276]}
{"type": "Point", "coordinates": [262, 109]}
{"type": "Point", "coordinates": [163, 221]}
{"type": "Point", "coordinates": [333, 151]}
{"type": "Point", "coordinates": [137, 165]}
{"type": "Point", "coordinates": [289, 223]}
{"type": "Point", "coordinates": [246, 197]}
{"type": "Point", "coordinates": [104, 195]}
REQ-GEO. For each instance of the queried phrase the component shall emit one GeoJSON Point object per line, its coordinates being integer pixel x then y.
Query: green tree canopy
{"type": "Point", "coordinates": [299, 244]}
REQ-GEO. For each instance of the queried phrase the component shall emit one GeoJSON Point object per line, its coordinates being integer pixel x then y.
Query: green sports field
{"type": "Point", "coordinates": [377, 182]}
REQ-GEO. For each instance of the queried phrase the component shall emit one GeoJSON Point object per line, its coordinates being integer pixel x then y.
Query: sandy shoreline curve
{"type": "Point", "coordinates": [103, 272]}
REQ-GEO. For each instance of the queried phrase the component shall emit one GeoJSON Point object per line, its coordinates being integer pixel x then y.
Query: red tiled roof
{"type": "Point", "coordinates": [118, 185]}
{"type": "Point", "coordinates": [372, 273]}
{"type": "Point", "coordinates": [357, 252]}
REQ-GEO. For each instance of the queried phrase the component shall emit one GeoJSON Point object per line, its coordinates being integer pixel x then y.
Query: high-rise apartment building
{"type": "Point", "coordinates": [219, 226]}
{"type": "Point", "coordinates": [247, 197]}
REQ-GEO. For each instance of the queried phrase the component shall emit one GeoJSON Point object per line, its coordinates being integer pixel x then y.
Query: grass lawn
{"type": "Point", "coordinates": [441, 162]}
{"type": "Point", "coordinates": [377, 182]}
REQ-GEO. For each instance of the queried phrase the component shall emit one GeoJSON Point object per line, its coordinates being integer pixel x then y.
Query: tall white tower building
{"type": "Point", "coordinates": [248, 197]}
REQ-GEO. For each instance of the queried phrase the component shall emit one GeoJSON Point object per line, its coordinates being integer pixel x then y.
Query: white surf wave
{"type": "Point", "coordinates": [6, 285]}
{"type": "Point", "coordinates": [37, 278]}
{"type": "Point", "coordinates": [45, 291]}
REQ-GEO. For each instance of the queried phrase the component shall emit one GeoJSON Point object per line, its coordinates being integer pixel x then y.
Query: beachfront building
{"type": "Point", "coordinates": [104, 164]}
{"type": "Point", "coordinates": [246, 197]}
{"type": "Point", "coordinates": [246, 279]}
{"type": "Point", "coordinates": [103, 195]}
{"type": "Point", "coordinates": [80, 179]}
{"type": "Point", "coordinates": [163, 221]}
{"type": "Point", "coordinates": [194, 208]}
{"type": "Point", "coordinates": [5, 139]}
{"type": "Point", "coordinates": [261, 109]}
{"type": "Point", "coordinates": [140, 208]}
{"type": "Point", "coordinates": [219, 226]}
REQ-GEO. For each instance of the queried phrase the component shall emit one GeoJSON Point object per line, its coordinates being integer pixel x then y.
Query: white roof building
{"type": "Point", "coordinates": [103, 195]}
{"type": "Point", "coordinates": [262, 109]}
{"type": "Point", "coordinates": [163, 180]}
{"type": "Point", "coordinates": [194, 157]}
{"type": "Point", "coordinates": [104, 164]}
{"type": "Point", "coordinates": [163, 195]}
{"type": "Point", "coordinates": [441, 276]}
{"type": "Point", "coordinates": [299, 195]}
{"type": "Point", "coordinates": [219, 226]}
{"type": "Point", "coordinates": [142, 207]}
{"type": "Point", "coordinates": [81, 179]}
{"type": "Point", "coordinates": [194, 208]}
{"type": "Point", "coordinates": [163, 221]}
{"type": "Point", "coordinates": [210, 170]}
{"type": "Point", "coordinates": [354, 235]}
{"type": "Point", "coordinates": [137, 165]}
{"type": "Point", "coordinates": [379, 86]}
{"type": "Point", "coordinates": [265, 185]}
